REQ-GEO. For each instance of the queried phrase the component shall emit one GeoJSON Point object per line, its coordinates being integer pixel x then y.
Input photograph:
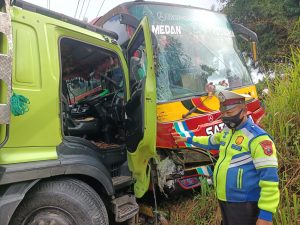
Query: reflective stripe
{"type": "Point", "coordinates": [269, 161]}
{"type": "Point", "coordinates": [212, 140]}
{"type": "Point", "coordinates": [265, 159]}
{"type": "Point", "coordinates": [240, 158]}
{"type": "Point", "coordinates": [240, 163]}
{"type": "Point", "coordinates": [265, 164]}
{"type": "Point", "coordinates": [247, 133]}
{"type": "Point", "coordinates": [226, 128]}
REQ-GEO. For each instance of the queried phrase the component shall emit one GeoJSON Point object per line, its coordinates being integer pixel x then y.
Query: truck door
{"type": "Point", "coordinates": [5, 70]}
{"type": "Point", "coordinates": [141, 108]}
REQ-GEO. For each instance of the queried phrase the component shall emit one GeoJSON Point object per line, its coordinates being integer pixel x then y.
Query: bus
{"type": "Point", "coordinates": [193, 48]}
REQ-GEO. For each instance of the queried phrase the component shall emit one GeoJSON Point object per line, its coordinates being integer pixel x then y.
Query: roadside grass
{"type": "Point", "coordinates": [282, 121]}
{"type": "Point", "coordinates": [198, 208]}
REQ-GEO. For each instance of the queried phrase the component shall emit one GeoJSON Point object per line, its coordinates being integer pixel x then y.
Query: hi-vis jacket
{"type": "Point", "coordinates": [246, 170]}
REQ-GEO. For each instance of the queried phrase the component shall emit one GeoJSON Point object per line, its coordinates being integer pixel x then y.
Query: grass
{"type": "Point", "coordinates": [282, 121]}
{"type": "Point", "coordinates": [194, 208]}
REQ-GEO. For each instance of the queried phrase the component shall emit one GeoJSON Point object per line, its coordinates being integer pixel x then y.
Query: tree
{"type": "Point", "coordinates": [276, 23]}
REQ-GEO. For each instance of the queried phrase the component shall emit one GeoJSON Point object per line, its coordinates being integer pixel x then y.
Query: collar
{"type": "Point", "coordinates": [247, 122]}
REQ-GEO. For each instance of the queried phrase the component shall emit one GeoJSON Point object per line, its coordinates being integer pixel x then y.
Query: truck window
{"type": "Point", "coordinates": [87, 70]}
{"type": "Point", "coordinates": [92, 93]}
{"type": "Point", "coordinates": [137, 61]}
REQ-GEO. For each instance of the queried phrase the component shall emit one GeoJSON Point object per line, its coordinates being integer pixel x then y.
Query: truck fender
{"type": "Point", "coordinates": [79, 157]}
{"type": "Point", "coordinates": [11, 197]}
{"type": "Point", "coordinates": [66, 165]}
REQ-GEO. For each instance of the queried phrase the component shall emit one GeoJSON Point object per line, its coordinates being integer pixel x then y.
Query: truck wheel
{"type": "Point", "coordinates": [62, 201]}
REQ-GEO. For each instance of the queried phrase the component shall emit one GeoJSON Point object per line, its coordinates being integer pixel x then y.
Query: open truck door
{"type": "Point", "coordinates": [141, 108]}
{"type": "Point", "coordinates": [6, 50]}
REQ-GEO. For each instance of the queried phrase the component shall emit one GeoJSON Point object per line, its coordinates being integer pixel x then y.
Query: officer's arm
{"type": "Point", "coordinates": [263, 152]}
{"type": "Point", "coordinates": [206, 142]}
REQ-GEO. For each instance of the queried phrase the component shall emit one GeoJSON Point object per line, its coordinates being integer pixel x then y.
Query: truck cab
{"type": "Point", "coordinates": [91, 119]}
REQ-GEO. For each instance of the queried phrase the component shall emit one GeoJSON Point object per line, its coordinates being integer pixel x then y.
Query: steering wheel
{"type": "Point", "coordinates": [94, 98]}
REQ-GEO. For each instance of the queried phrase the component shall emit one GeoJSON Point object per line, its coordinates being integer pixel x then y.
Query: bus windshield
{"type": "Point", "coordinates": [195, 47]}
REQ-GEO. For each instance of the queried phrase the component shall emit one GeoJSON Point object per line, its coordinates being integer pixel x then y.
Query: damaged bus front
{"type": "Point", "coordinates": [194, 48]}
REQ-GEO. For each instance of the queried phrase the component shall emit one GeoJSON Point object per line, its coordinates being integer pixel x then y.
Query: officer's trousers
{"type": "Point", "coordinates": [239, 213]}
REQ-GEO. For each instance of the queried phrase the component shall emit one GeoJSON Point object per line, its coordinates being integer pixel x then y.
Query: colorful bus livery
{"type": "Point", "coordinates": [203, 124]}
{"type": "Point", "coordinates": [193, 47]}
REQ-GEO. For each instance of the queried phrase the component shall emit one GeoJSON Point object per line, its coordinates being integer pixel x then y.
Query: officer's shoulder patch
{"type": "Point", "coordinates": [267, 147]}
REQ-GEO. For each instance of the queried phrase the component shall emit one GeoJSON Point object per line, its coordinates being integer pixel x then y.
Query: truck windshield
{"type": "Point", "coordinates": [195, 47]}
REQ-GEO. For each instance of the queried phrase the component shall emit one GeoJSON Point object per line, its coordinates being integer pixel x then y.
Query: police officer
{"type": "Point", "coordinates": [245, 175]}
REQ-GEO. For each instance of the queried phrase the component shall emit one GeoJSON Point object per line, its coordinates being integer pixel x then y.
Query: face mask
{"type": "Point", "coordinates": [233, 121]}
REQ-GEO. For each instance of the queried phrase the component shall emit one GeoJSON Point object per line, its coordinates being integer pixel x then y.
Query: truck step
{"type": "Point", "coordinates": [125, 208]}
{"type": "Point", "coordinates": [117, 181]}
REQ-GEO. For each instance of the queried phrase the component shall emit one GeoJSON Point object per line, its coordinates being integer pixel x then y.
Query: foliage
{"type": "Point", "coordinates": [288, 210]}
{"type": "Point", "coordinates": [276, 23]}
{"type": "Point", "coordinates": [282, 120]}
{"type": "Point", "coordinates": [199, 209]}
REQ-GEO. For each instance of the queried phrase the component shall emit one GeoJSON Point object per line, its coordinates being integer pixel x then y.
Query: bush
{"type": "Point", "coordinates": [282, 121]}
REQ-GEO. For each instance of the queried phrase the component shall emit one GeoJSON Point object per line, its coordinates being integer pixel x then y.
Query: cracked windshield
{"type": "Point", "coordinates": [194, 49]}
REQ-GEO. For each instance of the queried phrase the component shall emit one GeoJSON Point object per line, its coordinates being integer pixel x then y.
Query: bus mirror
{"type": "Point", "coordinates": [248, 35]}
{"type": "Point", "coordinates": [254, 51]}
{"type": "Point", "coordinates": [134, 23]}
{"type": "Point", "coordinates": [129, 20]}
{"type": "Point", "coordinates": [244, 32]}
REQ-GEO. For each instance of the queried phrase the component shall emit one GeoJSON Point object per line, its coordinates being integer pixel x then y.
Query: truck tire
{"type": "Point", "coordinates": [63, 201]}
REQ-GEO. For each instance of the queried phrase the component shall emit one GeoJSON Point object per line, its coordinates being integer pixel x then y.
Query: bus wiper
{"type": "Point", "coordinates": [195, 107]}
{"type": "Point", "coordinates": [190, 96]}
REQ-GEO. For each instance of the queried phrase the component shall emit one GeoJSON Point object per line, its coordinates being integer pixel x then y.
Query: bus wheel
{"type": "Point", "coordinates": [63, 201]}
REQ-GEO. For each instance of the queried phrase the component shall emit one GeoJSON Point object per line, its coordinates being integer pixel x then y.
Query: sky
{"type": "Point", "coordinates": [93, 8]}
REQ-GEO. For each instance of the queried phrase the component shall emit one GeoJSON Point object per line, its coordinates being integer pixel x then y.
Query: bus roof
{"type": "Point", "coordinates": [121, 8]}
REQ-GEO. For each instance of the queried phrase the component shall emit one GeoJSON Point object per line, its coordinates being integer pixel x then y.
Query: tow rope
{"type": "Point", "coordinates": [19, 104]}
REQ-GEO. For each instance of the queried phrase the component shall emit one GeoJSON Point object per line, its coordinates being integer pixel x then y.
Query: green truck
{"type": "Point", "coordinates": [67, 159]}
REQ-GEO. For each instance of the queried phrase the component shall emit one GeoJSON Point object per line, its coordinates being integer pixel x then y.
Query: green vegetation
{"type": "Point", "coordinates": [276, 23]}
{"type": "Point", "coordinates": [194, 208]}
{"type": "Point", "coordinates": [282, 120]}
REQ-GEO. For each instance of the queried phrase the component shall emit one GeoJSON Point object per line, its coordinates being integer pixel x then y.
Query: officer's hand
{"type": "Point", "coordinates": [179, 139]}
{"type": "Point", "coordinates": [263, 222]}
